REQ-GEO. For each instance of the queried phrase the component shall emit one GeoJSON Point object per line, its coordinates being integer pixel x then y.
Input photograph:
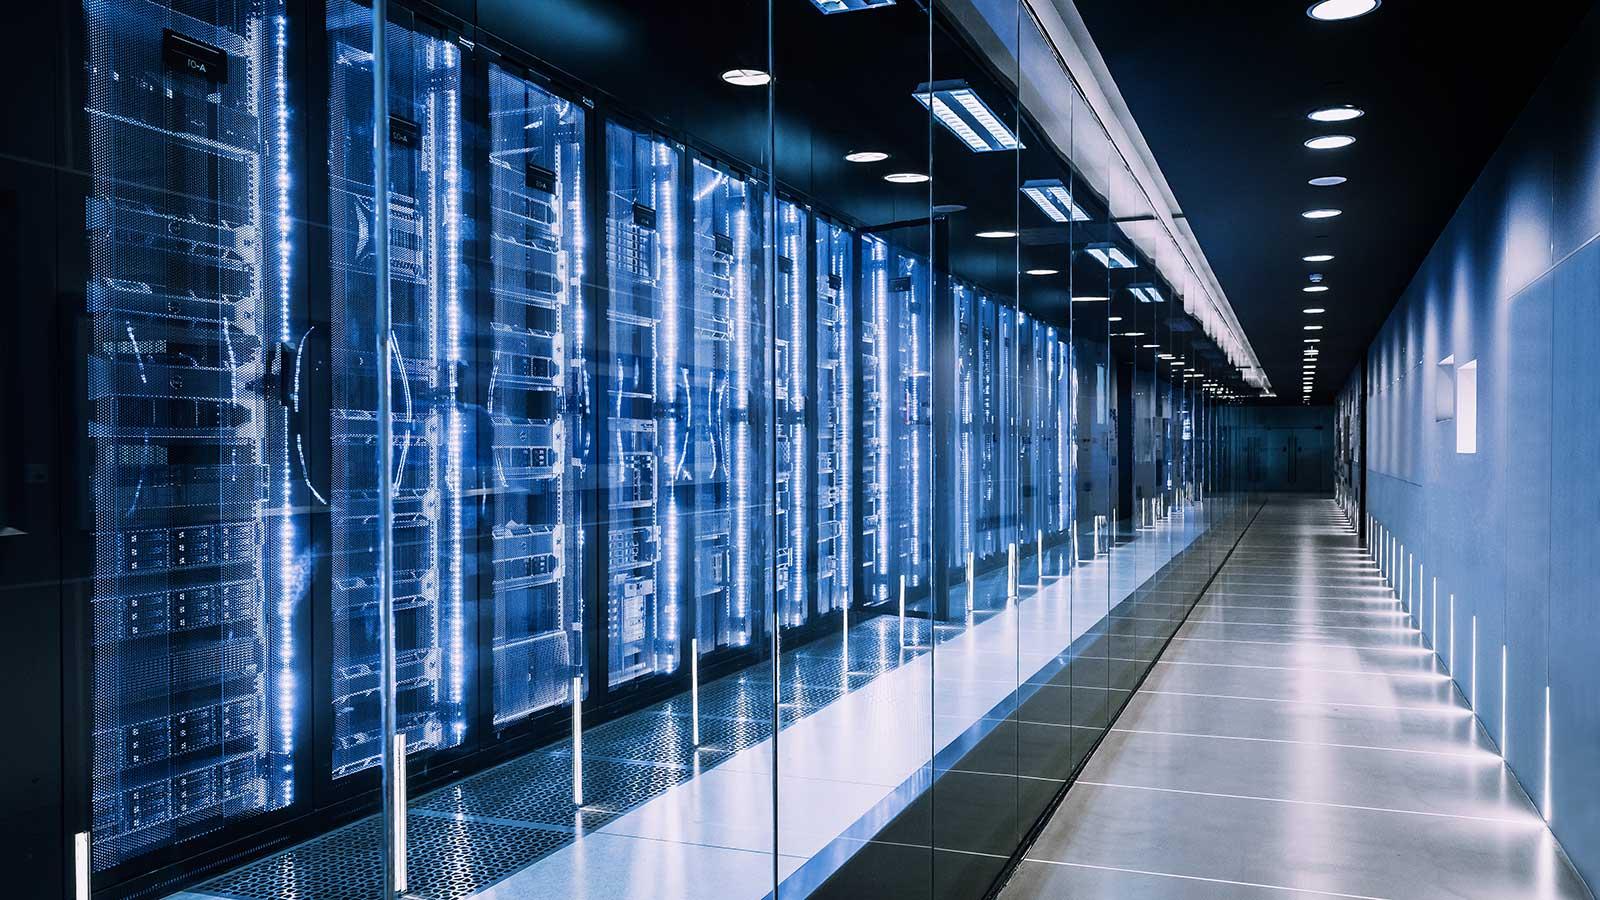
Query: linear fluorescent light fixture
{"type": "Point", "coordinates": [1146, 292]}
{"type": "Point", "coordinates": [1110, 255]}
{"type": "Point", "coordinates": [959, 108]}
{"type": "Point", "coordinates": [829, 7]}
{"type": "Point", "coordinates": [1051, 196]}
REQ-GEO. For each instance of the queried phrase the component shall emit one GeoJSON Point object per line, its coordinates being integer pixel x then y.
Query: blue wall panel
{"type": "Point", "coordinates": [1574, 560]}
{"type": "Point", "coordinates": [1512, 530]}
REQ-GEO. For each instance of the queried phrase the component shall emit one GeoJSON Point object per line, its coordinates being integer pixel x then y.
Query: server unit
{"type": "Point", "coordinates": [647, 402]}
{"type": "Point", "coordinates": [196, 543]}
{"type": "Point", "coordinates": [430, 319]}
{"type": "Point", "coordinates": [539, 406]}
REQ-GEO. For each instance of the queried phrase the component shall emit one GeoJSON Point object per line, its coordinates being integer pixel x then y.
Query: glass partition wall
{"type": "Point", "coordinates": [776, 451]}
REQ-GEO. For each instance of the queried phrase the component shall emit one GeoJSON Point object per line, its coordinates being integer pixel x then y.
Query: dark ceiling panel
{"type": "Point", "coordinates": [1221, 91]}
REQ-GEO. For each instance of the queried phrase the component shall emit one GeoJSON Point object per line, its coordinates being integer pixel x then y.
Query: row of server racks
{"type": "Point", "coordinates": [640, 407]}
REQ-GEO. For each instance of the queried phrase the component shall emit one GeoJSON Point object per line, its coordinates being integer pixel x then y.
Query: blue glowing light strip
{"type": "Point", "coordinates": [453, 419]}
{"type": "Point", "coordinates": [667, 348]}
{"type": "Point", "coordinates": [913, 373]}
{"type": "Point", "coordinates": [794, 248]}
{"type": "Point", "coordinates": [880, 330]}
{"type": "Point", "coordinates": [289, 576]}
{"type": "Point", "coordinates": [741, 393]}
{"type": "Point", "coordinates": [575, 261]}
{"type": "Point", "coordinates": [846, 471]}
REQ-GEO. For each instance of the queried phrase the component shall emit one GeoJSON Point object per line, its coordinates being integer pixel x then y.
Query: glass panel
{"type": "Point", "coordinates": [427, 302]}
{"type": "Point", "coordinates": [539, 404]}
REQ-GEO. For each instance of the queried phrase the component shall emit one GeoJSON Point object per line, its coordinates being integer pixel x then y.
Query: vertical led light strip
{"type": "Point", "coordinates": [741, 394]}
{"type": "Point", "coordinates": [667, 348]}
{"type": "Point", "coordinates": [845, 478]}
{"type": "Point", "coordinates": [289, 580]}
{"type": "Point", "coordinates": [913, 374]}
{"type": "Point", "coordinates": [794, 246]}
{"type": "Point", "coordinates": [880, 327]}
{"type": "Point", "coordinates": [453, 419]}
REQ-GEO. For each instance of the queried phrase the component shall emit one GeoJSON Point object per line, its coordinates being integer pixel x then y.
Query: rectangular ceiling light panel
{"type": "Point", "coordinates": [829, 7]}
{"type": "Point", "coordinates": [1110, 255]}
{"type": "Point", "coordinates": [1052, 197]}
{"type": "Point", "coordinates": [959, 108]}
{"type": "Point", "coordinates": [1146, 292]}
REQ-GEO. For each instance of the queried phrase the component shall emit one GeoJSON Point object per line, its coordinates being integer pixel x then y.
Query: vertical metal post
{"type": "Point", "coordinates": [393, 816]}
{"type": "Point", "coordinates": [577, 740]}
{"type": "Point", "coordinates": [80, 866]}
{"type": "Point", "coordinates": [694, 689]}
{"type": "Point", "coordinates": [902, 611]}
{"type": "Point", "coordinates": [971, 588]}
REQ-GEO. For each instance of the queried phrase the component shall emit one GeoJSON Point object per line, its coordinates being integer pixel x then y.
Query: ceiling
{"type": "Point", "coordinates": [1220, 92]}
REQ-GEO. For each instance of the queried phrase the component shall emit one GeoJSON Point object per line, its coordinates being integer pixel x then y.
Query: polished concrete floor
{"type": "Point", "coordinates": [1296, 739]}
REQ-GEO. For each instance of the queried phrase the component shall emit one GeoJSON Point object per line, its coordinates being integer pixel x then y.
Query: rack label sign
{"type": "Point", "coordinates": [538, 178]}
{"type": "Point", "coordinates": [644, 216]}
{"type": "Point", "coordinates": [900, 285]}
{"type": "Point", "coordinates": [404, 133]}
{"type": "Point", "coordinates": [185, 54]}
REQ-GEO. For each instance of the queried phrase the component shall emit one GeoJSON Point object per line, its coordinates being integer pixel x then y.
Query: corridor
{"type": "Point", "coordinates": [1297, 738]}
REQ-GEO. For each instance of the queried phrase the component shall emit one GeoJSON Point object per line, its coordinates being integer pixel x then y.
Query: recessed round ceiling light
{"type": "Point", "coordinates": [905, 178]}
{"type": "Point", "coordinates": [996, 235]}
{"type": "Point", "coordinates": [1330, 141]}
{"type": "Point", "coordinates": [1044, 271]}
{"type": "Point", "coordinates": [866, 156]}
{"type": "Point", "coordinates": [746, 77]}
{"type": "Point", "coordinates": [1318, 257]}
{"type": "Point", "coordinates": [1314, 288]}
{"type": "Point", "coordinates": [1327, 180]}
{"type": "Point", "coordinates": [1313, 310]}
{"type": "Point", "coordinates": [1335, 10]}
{"type": "Point", "coordinates": [946, 209]}
{"type": "Point", "coordinates": [1321, 213]}
{"type": "Point", "coordinates": [1336, 113]}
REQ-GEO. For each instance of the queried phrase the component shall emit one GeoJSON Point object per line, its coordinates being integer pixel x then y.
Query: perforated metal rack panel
{"type": "Point", "coordinates": [194, 537]}
{"type": "Point", "coordinates": [430, 429]}
{"type": "Point", "coordinates": [539, 402]}
{"type": "Point", "coordinates": [835, 412]}
{"type": "Point", "coordinates": [646, 395]}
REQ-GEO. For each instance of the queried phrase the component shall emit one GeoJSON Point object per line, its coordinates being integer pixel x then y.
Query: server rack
{"type": "Point", "coordinates": [725, 373]}
{"type": "Point", "coordinates": [896, 419]}
{"type": "Point", "coordinates": [195, 534]}
{"type": "Point", "coordinates": [647, 402]}
{"type": "Point", "coordinates": [429, 321]}
{"type": "Point", "coordinates": [539, 406]}
{"type": "Point", "coordinates": [834, 418]}
{"type": "Point", "coordinates": [791, 385]}
{"type": "Point", "coordinates": [967, 437]}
